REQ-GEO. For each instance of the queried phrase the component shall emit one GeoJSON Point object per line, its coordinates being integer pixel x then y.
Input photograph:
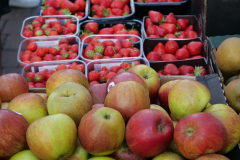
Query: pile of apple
{"type": "Point", "coordinates": [158, 26]}
{"type": "Point", "coordinates": [74, 120]}
{"type": "Point", "coordinates": [172, 52]}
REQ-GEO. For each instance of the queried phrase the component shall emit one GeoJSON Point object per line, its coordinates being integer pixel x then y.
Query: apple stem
{"type": "Point", "coordinates": [145, 76]}
{"type": "Point", "coordinates": [107, 116]}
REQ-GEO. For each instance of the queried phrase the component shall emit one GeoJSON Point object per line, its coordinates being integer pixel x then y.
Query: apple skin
{"type": "Point", "coordinates": [150, 76]}
{"type": "Point", "coordinates": [46, 143]}
{"type": "Point", "coordinates": [188, 130]}
{"type": "Point", "coordinates": [128, 98]}
{"type": "Point", "coordinates": [232, 92]}
{"type": "Point", "coordinates": [187, 97]}
{"type": "Point", "coordinates": [44, 96]}
{"type": "Point", "coordinates": [12, 85]}
{"type": "Point", "coordinates": [124, 153]}
{"type": "Point", "coordinates": [126, 76]}
{"type": "Point", "coordinates": [70, 98]}
{"type": "Point", "coordinates": [230, 120]}
{"type": "Point", "coordinates": [5, 105]}
{"type": "Point", "coordinates": [30, 105]}
{"type": "Point", "coordinates": [65, 75]}
{"type": "Point", "coordinates": [168, 156]}
{"type": "Point", "coordinates": [101, 158]}
{"type": "Point", "coordinates": [79, 154]}
{"type": "Point", "coordinates": [13, 136]}
{"type": "Point", "coordinates": [25, 154]}
{"type": "Point", "coordinates": [149, 132]}
{"type": "Point", "coordinates": [163, 94]}
{"type": "Point", "coordinates": [212, 157]}
{"type": "Point", "coordinates": [97, 106]}
{"type": "Point", "coordinates": [0, 103]}
{"type": "Point", "coordinates": [101, 131]}
{"type": "Point", "coordinates": [98, 92]}
{"type": "Point", "coordinates": [154, 106]}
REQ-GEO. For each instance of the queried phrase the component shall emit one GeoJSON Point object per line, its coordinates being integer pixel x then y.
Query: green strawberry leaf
{"type": "Point", "coordinates": [105, 12]}
{"type": "Point", "coordinates": [178, 27]}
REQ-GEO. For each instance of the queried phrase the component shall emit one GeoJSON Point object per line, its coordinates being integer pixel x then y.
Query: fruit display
{"type": "Point", "coordinates": [38, 26]}
{"type": "Point", "coordinates": [158, 1]}
{"type": "Point", "coordinates": [78, 8]}
{"type": "Point", "coordinates": [133, 27]}
{"type": "Point", "coordinates": [104, 47]}
{"type": "Point", "coordinates": [111, 8]}
{"type": "Point", "coordinates": [159, 26]}
{"type": "Point", "coordinates": [50, 49]}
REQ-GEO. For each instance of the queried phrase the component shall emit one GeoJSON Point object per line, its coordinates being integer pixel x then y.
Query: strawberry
{"type": "Point", "coordinates": [182, 53]}
{"type": "Point", "coordinates": [36, 23]}
{"type": "Point", "coordinates": [89, 54]}
{"type": "Point", "coordinates": [59, 57]}
{"type": "Point", "coordinates": [200, 71]}
{"type": "Point", "coordinates": [104, 68]}
{"type": "Point", "coordinates": [39, 85]}
{"type": "Point", "coordinates": [121, 70]}
{"type": "Point", "coordinates": [63, 47]}
{"type": "Point", "coordinates": [117, 55]}
{"type": "Point", "coordinates": [30, 76]}
{"type": "Point", "coordinates": [54, 50]}
{"type": "Point", "coordinates": [64, 54]}
{"type": "Point", "coordinates": [58, 28]}
{"type": "Point", "coordinates": [102, 76]}
{"type": "Point", "coordinates": [195, 48]}
{"type": "Point", "coordinates": [73, 56]}
{"type": "Point", "coordinates": [121, 32]}
{"type": "Point", "coordinates": [153, 36]}
{"type": "Point", "coordinates": [95, 1]}
{"type": "Point", "coordinates": [38, 78]}
{"type": "Point", "coordinates": [48, 57]}
{"type": "Point", "coordinates": [134, 31]}
{"type": "Point", "coordinates": [153, 56]}
{"type": "Point", "coordinates": [80, 15]}
{"type": "Point", "coordinates": [89, 48]}
{"type": "Point", "coordinates": [64, 12]}
{"type": "Point", "coordinates": [26, 57]}
{"type": "Point", "coordinates": [171, 18]}
{"type": "Point", "coordinates": [135, 52]}
{"type": "Point", "coordinates": [171, 69]}
{"type": "Point", "coordinates": [135, 63]}
{"type": "Point", "coordinates": [117, 46]}
{"type": "Point", "coordinates": [72, 27]}
{"type": "Point", "coordinates": [151, 30]}
{"type": "Point", "coordinates": [28, 27]}
{"type": "Point", "coordinates": [126, 2]}
{"type": "Point", "coordinates": [170, 36]}
{"type": "Point", "coordinates": [126, 44]}
{"type": "Point", "coordinates": [160, 31]}
{"type": "Point", "coordinates": [31, 84]}
{"type": "Point", "coordinates": [181, 34]}
{"type": "Point", "coordinates": [39, 33]}
{"type": "Point", "coordinates": [108, 43]}
{"type": "Point", "coordinates": [184, 69]}
{"type": "Point", "coordinates": [133, 39]}
{"type": "Point", "coordinates": [41, 52]}
{"type": "Point", "coordinates": [182, 24]}
{"type": "Point", "coordinates": [72, 66]}
{"type": "Point", "coordinates": [117, 4]}
{"type": "Point", "coordinates": [61, 66]}
{"type": "Point", "coordinates": [168, 57]}
{"type": "Point", "coordinates": [43, 72]}
{"type": "Point", "coordinates": [125, 66]}
{"type": "Point", "coordinates": [69, 5]}
{"type": "Point", "coordinates": [92, 27]}
{"type": "Point", "coordinates": [124, 52]}
{"type": "Point", "coordinates": [105, 3]}
{"type": "Point", "coordinates": [80, 67]}
{"type": "Point", "coordinates": [81, 4]}
{"type": "Point", "coordinates": [160, 73]}
{"type": "Point", "coordinates": [192, 34]}
{"type": "Point", "coordinates": [114, 69]}
{"type": "Point", "coordinates": [32, 46]}
{"type": "Point", "coordinates": [118, 27]}
{"type": "Point", "coordinates": [117, 12]}
{"type": "Point", "coordinates": [148, 22]}
{"type": "Point", "coordinates": [27, 52]}
{"type": "Point", "coordinates": [159, 48]}
{"type": "Point", "coordinates": [53, 33]}
{"type": "Point", "coordinates": [102, 12]}
{"type": "Point", "coordinates": [106, 31]}
{"type": "Point", "coordinates": [196, 57]}
{"type": "Point", "coordinates": [171, 47]}
{"type": "Point", "coordinates": [95, 41]}
{"type": "Point", "coordinates": [74, 48]}
{"type": "Point", "coordinates": [84, 35]}
{"type": "Point", "coordinates": [126, 10]}
{"type": "Point", "coordinates": [156, 17]}
{"type": "Point", "coordinates": [51, 3]}
{"type": "Point", "coordinates": [45, 26]}
{"type": "Point", "coordinates": [41, 19]}
{"type": "Point", "coordinates": [99, 48]}
{"type": "Point", "coordinates": [109, 75]}
{"type": "Point", "coordinates": [171, 28]}
{"type": "Point", "coordinates": [28, 34]}
{"type": "Point", "coordinates": [94, 82]}
{"type": "Point", "coordinates": [109, 51]}
{"type": "Point", "coordinates": [189, 28]}
{"type": "Point", "coordinates": [33, 54]}
{"type": "Point", "coordinates": [48, 11]}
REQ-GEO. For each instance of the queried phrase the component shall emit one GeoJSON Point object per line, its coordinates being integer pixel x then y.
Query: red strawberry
{"type": "Point", "coordinates": [99, 48]}
{"type": "Point", "coordinates": [148, 22]}
{"type": "Point", "coordinates": [45, 26]}
{"type": "Point", "coordinates": [171, 18]}
{"type": "Point", "coordinates": [27, 34]}
{"type": "Point", "coordinates": [102, 12]}
{"type": "Point", "coordinates": [73, 56]}
{"type": "Point", "coordinates": [117, 4]}
{"type": "Point", "coordinates": [135, 63]}
{"type": "Point", "coordinates": [92, 27]}
{"type": "Point", "coordinates": [106, 31]}
{"type": "Point", "coordinates": [195, 48]}
{"type": "Point", "coordinates": [171, 47]}
{"type": "Point", "coordinates": [102, 76]}
{"type": "Point", "coordinates": [28, 27]}
{"type": "Point", "coordinates": [181, 34]}
{"type": "Point", "coordinates": [66, 31]}
{"type": "Point", "coordinates": [27, 52]}
{"type": "Point", "coordinates": [134, 32]}
{"type": "Point", "coordinates": [153, 56]}
{"type": "Point", "coordinates": [72, 66]}
{"type": "Point", "coordinates": [38, 78]}
{"type": "Point", "coordinates": [182, 53]}
{"type": "Point", "coordinates": [53, 33]}
{"type": "Point", "coordinates": [54, 50]}
{"type": "Point", "coordinates": [72, 27]}
{"type": "Point", "coordinates": [41, 52]}
{"type": "Point", "coordinates": [151, 30]}
{"type": "Point", "coordinates": [171, 28]}
{"type": "Point", "coordinates": [114, 69]}
{"type": "Point", "coordinates": [69, 5]}
{"type": "Point", "coordinates": [31, 84]}
{"type": "Point", "coordinates": [39, 85]}
{"type": "Point", "coordinates": [109, 75]}
{"type": "Point", "coordinates": [80, 15]}
{"type": "Point", "coordinates": [74, 48]}
{"type": "Point", "coordinates": [170, 36]}
{"type": "Point", "coordinates": [171, 69]}
{"type": "Point", "coordinates": [30, 76]}
{"type": "Point", "coordinates": [104, 68]}
{"type": "Point", "coordinates": [182, 24]}
{"type": "Point", "coordinates": [153, 36]}
{"type": "Point", "coordinates": [125, 66]}
{"type": "Point", "coordinates": [121, 32]}
{"type": "Point", "coordinates": [49, 73]}
{"type": "Point", "coordinates": [26, 57]}
{"type": "Point", "coordinates": [59, 57]}
{"type": "Point", "coordinates": [184, 69]}
{"type": "Point", "coordinates": [63, 41]}
{"type": "Point", "coordinates": [117, 46]}
{"type": "Point", "coordinates": [64, 12]}
{"type": "Point", "coordinates": [63, 47]}
{"type": "Point", "coordinates": [135, 52]}
{"type": "Point", "coordinates": [126, 2]}
{"type": "Point", "coordinates": [108, 43]}
{"type": "Point", "coordinates": [58, 28]}
{"type": "Point", "coordinates": [52, 3]}
{"type": "Point", "coordinates": [81, 4]}
{"type": "Point", "coordinates": [39, 33]}
{"type": "Point", "coordinates": [48, 57]}
{"type": "Point", "coordinates": [168, 57]}
{"type": "Point", "coordinates": [61, 66]}
{"type": "Point", "coordinates": [126, 10]}
{"type": "Point", "coordinates": [117, 12]}
{"type": "Point", "coordinates": [41, 19]}
{"type": "Point", "coordinates": [64, 54]}
{"type": "Point", "coordinates": [196, 57]}
{"type": "Point", "coordinates": [84, 35]}
{"type": "Point", "coordinates": [118, 27]}
{"type": "Point", "coordinates": [94, 82]}
{"type": "Point", "coordinates": [117, 55]}
{"type": "Point", "coordinates": [160, 31]}
{"type": "Point", "coordinates": [95, 1]}
{"type": "Point", "coordinates": [200, 71]}
{"type": "Point", "coordinates": [105, 3]}
{"type": "Point", "coordinates": [124, 52]}
{"type": "Point", "coordinates": [160, 73]}
{"type": "Point", "coordinates": [109, 51]}
{"type": "Point", "coordinates": [80, 67]}
{"type": "Point", "coordinates": [192, 34]}
{"type": "Point", "coordinates": [126, 44]}
{"type": "Point", "coordinates": [155, 16]}
{"type": "Point", "coordinates": [48, 11]}
{"type": "Point", "coordinates": [189, 28]}
{"type": "Point", "coordinates": [159, 48]}
{"type": "Point", "coordinates": [95, 41]}
{"type": "Point", "coordinates": [32, 46]}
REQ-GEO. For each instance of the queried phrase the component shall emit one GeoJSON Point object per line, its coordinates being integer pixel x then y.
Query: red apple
{"type": "Point", "coordinates": [163, 94]}
{"type": "Point", "coordinates": [168, 155]}
{"type": "Point", "coordinates": [12, 85]}
{"type": "Point", "coordinates": [149, 132]}
{"type": "Point", "coordinates": [198, 134]}
{"type": "Point", "coordinates": [0, 103]}
{"type": "Point", "coordinates": [128, 98]}
{"type": "Point", "coordinates": [212, 157]}
{"type": "Point", "coordinates": [101, 131]}
{"type": "Point", "coordinates": [13, 132]}
{"type": "Point", "coordinates": [150, 76]}
{"type": "Point", "coordinates": [125, 76]}
{"type": "Point", "coordinates": [65, 75]}
{"type": "Point", "coordinates": [98, 92]}
{"type": "Point", "coordinates": [97, 105]}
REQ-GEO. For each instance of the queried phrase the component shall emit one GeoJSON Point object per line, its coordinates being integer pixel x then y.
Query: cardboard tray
{"type": "Point", "coordinates": [149, 44]}
{"type": "Point", "coordinates": [193, 20]}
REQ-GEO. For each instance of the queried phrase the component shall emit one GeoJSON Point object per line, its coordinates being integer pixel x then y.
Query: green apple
{"type": "Point", "coordinates": [5, 105]}
{"type": "Point", "coordinates": [154, 106]}
{"type": "Point", "coordinates": [30, 105]}
{"type": "Point", "coordinates": [168, 156]}
{"type": "Point", "coordinates": [187, 97]}
{"type": "Point", "coordinates": [70, 98]}
{"type": "Point", "coordinates": [52, 137]}
{"type": "Point", "coordinates": [101, 158]}
{"type": "Point", "coordinates": [44, 96]}
{"type": "Point", "coordinates": [24, 155]}
{"type": "Point", "coordinates": [79, 154]}
{"type": "Point", "coordinates": [212, 157]}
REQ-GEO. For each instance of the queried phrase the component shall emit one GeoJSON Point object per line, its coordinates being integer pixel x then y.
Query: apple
{"type": "Point", "coordinates": [212, 157]}
{"type": "Point", "coordinates": [173, 118]}
{"type": "Point", "coordinates": [233, 94]}
{"type": "Point", "coordinates": [52, 137]}
{"type": "Point", "coordinates": [5, 105]}
{"type": "Point", "coordinates": [70, 98]}
{"type": "Point", "coordinates": [24, 154]}
{"type": "Point", "coordinates": [97, 105]}
{"type": "Point", "coordinates": [149, 132]}
{"type": "Point", "coordinates": [44, 96]}
{"type": "Point", "coordinates": [101, 131]}
{"type": "Point", "coordinates": [12, 85]}
{"type": "Point", "coordinates": [128, 98]}
{"type": "Point", "coordinates": [154, 106]}
{"type": "Point", "coordinates": [13, 132]}
{"type": "Point", "coordinates": [30, 105]}
{"type": "Point", "coordinates": [187, 97]}
{"type": "Point", "coordinates": [230, 120]}
{"type": "Point", "coordinates": [163, 94]}
{"type": "Point", "coordinates": [98, 92]}
{"type": "Point", "coordinates": [198, 134]}
{"type": "Point", "coordinates": [65, 75]}
{"type": "Point", "coordinates": [124, 153]}
{"type": "Point", "coordinates": [150, 76]}
{"type": "Point", "coordinates": [79, 154]}
{"type": "Point", "coordinates": [125, 76]}
{"type": "Point", "coordinates": [168, 156]}
{"type": "Point", "coordinates": [101, 158]}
